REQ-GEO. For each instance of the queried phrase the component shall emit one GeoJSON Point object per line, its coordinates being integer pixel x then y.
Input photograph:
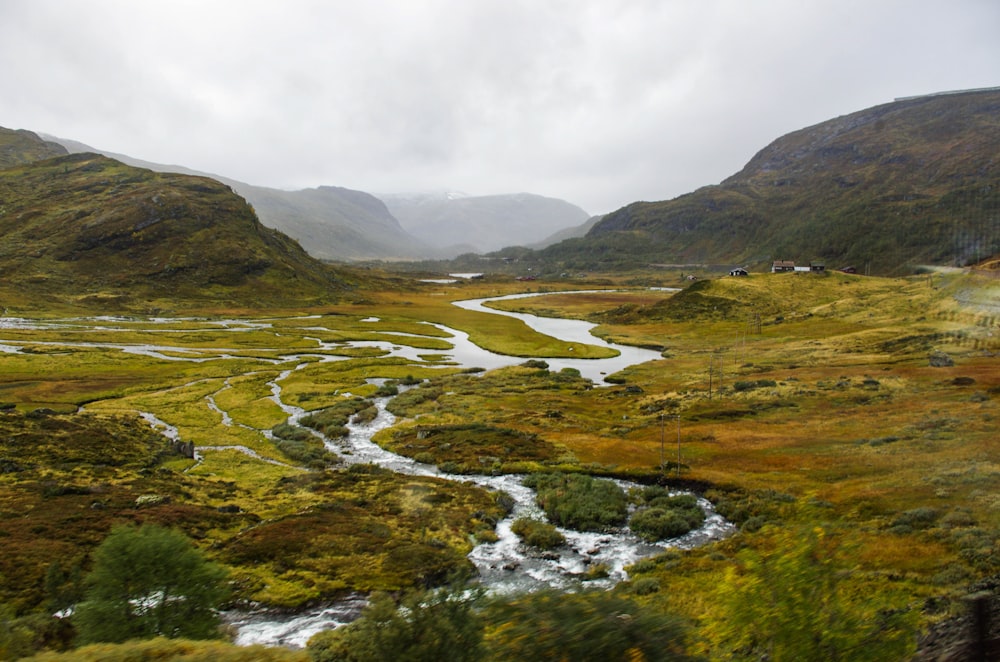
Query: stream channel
{"type": "Point", "coordinates": [505, 566]}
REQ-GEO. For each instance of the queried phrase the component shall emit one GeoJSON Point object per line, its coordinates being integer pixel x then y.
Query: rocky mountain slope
{"type": "Point", "coordinates": [915, 181]}
{"type": "Point", "coordinates": [483, 223]}
{"type": "Point", "coordinates": [330, 222]}
{"type": "Point", "coordinates": [19, 146]}
{"type": "Point", "coordinates": [86, 230]}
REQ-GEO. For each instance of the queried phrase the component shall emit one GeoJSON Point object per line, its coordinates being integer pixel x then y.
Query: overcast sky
{"type": "Point", "coordinates": [599, 102]}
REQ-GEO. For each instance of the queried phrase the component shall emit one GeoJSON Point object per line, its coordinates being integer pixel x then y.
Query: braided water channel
{"type": "Point", "coordinates": [505, 566]}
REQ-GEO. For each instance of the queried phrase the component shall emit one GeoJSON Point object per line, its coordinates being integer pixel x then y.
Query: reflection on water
{"type": "Point", "coordinates": [504, 566]}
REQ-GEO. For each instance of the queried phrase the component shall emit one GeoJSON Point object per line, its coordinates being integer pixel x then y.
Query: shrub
{"type": "Point", "coordinates": [486, 536]}
{"type": "Point", "coordinates": [310, 452]}
{"type": "Point", "coordinates": [645, 585]}
{"type": "Point", "coordinates": [505, 501]}
{"type": "Point", "coordinates": [331, 421]}
{"type": "Point", "coordinates": [300, 445]}
{"type": "Point", "coordinates": [366, 415]}
{"type": "Point", "coordinates": [404, 402]}
{"type": "Point", "coordinates": [749, 385]}
{"type": "Point", "coordinates": [918, 518]}
{"type": "Point", "coordinates": [580, 502]}
{"type": "Point", "coordinates": [738, 505]}
{"type": "Point", "coordinates": [290, 432]}
{"type": "Point", "coordinates": [667, 517]}
{"type": "Point", "coordinates": [537, 534]}
{"type": "Point", "coordinates": [589, 625]}
{"type": "Point", "coordinates": [432, 626]}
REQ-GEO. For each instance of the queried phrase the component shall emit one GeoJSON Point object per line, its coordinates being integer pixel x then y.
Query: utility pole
{"type": "Point", "coordinates": [663, 466]}
{"type": "Point", "coordinates": [678, 445]}
{"type": "Point", "coordinates": [711, 358]}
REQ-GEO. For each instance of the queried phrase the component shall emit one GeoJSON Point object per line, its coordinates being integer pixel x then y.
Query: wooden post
{"type": "Point", "coordinates": [663, 466]}
{"type": "Point", "coordinates": [978, 646]}
{"type": "Point", "coordinates": [711, 357]}
{"type": "Point", "coordinates": [678, 445]}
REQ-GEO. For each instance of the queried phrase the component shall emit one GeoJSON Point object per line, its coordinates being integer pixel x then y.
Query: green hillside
{"type": "Point", "coordinates": [85, 230]}
{"type": "Point", "coordinates": [910, 182]}
{"type": "Point", "coordinates": [21, 146]}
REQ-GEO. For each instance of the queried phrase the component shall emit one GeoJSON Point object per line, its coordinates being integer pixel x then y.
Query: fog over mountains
{"type": "Point", "coordinates": [903, 184]}
{"type": "Point", "coordinates": [486, 223]}
{"type": "Point", "coordinates": [341, 224]}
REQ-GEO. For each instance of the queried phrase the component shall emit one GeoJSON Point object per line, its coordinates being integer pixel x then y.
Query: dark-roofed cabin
{"type": "Point", "coordinates": [779, 266]}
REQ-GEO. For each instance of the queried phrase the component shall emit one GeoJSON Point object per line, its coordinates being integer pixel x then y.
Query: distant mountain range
{"type": "Point", "coordinates": [340, 224]}
{"type": "Point", "coordinates": [330, 222]}
{"type": "Point", "coordinates": [479, 224]}
{"type": "Point", "coordinates": [915, 181]}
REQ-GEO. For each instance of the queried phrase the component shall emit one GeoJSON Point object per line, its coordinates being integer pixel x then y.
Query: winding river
{"type": "Point", "coordinates": [505, 566]}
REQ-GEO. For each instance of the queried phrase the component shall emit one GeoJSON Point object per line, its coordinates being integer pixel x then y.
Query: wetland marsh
{"type": "Point", "coordinates": [828, 417]}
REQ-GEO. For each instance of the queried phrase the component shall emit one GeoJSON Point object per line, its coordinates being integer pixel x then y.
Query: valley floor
{"type": "Point", "coordinates": [846, 425]}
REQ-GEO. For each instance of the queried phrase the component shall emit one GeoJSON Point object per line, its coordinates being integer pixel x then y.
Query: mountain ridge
{"type": "Point", "coordinates": [339, 224]}
{"type": "Point", "coordinates": [331, 222]}
{"type": "Point", "coordinates": [86, 230]}
{"type": "Point", "coordinates": [901, 184]}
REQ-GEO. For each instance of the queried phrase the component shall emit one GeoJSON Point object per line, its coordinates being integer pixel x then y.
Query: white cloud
{"type": "Point", "coordinates": [595, 101]}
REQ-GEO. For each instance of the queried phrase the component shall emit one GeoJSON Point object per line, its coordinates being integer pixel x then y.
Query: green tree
{"type": "Point", "coordinates": [801, 604]}
{"type": "Point", "coordinates": [148, 582]}
{"type": "Point", "coordinates": [593, 625]}
{"type": "Point", "coordinates": [426, 626]}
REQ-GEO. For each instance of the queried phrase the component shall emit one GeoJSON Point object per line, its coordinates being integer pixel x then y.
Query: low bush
{"type": "Point", "coordinates": [749, 385]}
{"type": "Point", "coordinates": [645, 585]}
{"type": "Point", "coordinates": [331, 421]}
{"type": "Point", "coordinates": [404, 402]}
{"type": "Point", "coordinates": [300, 445]}
{"type": "Point", "coordinates": [580, 502]}
{"type": "Point", "coordinates": [366, 415]}
{"type": "Point", "coordinates": [538, 534]}
{"type": "Point", "coordinates": [667, 517]}
{"type": "Point", "coordinates": [917, 518]}
{"type": "Point", "coordinates": [739, 505]}
{"type": "Point", "coordinates": [290, 432]}
{"type": "Point", "coordinates": [478, 447]}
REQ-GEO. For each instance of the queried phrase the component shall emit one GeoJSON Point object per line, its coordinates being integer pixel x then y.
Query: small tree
{"type": "Point", "coordinates": [148, 582]}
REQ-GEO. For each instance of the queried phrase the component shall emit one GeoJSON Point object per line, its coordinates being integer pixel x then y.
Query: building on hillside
{"type": "Point", "coordinates": [739, 271]}
{"type": "Point", "coordinates": [848, 270]}
{"type": "Point", "coordinates": [817, 266]}
{"type": "Point", "coordinates": [779, 266]}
